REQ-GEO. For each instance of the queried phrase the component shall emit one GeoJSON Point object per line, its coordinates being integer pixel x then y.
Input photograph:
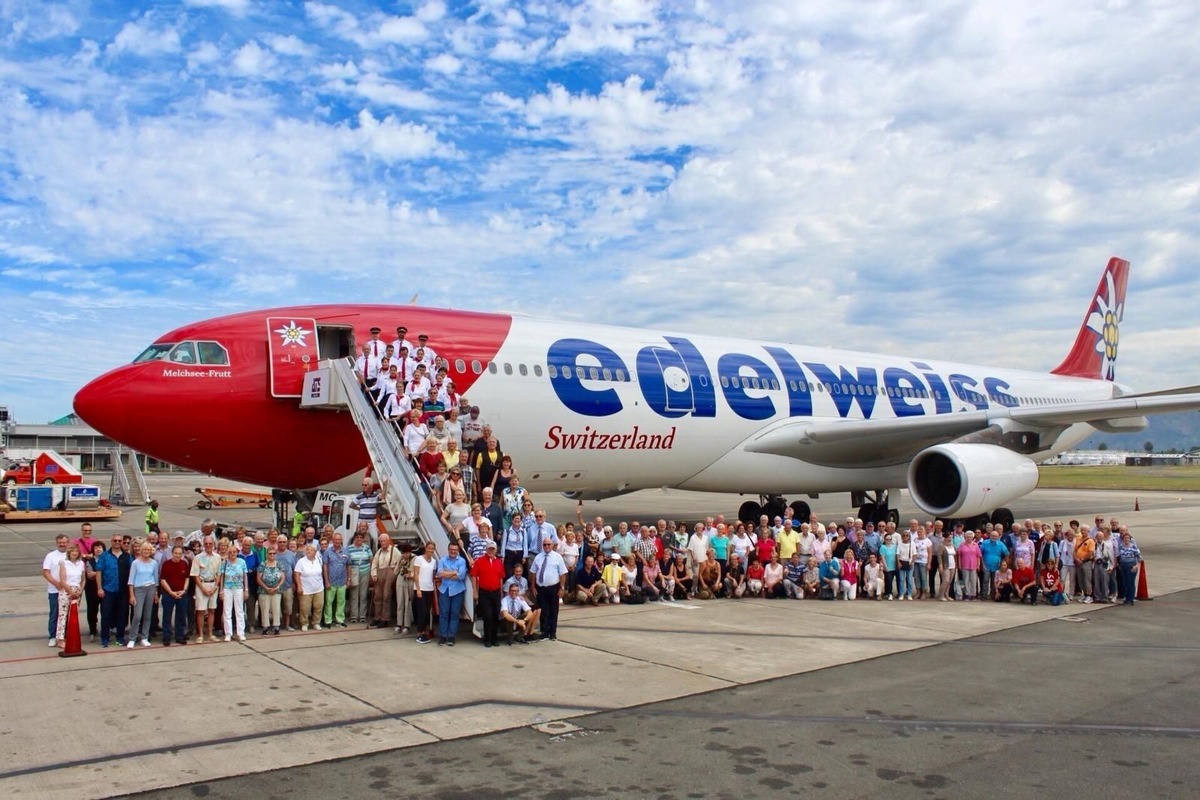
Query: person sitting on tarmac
{"type": "Point", "coordinates": [516, 611]}
{"type": "Point", "coordinates": [589, 583]}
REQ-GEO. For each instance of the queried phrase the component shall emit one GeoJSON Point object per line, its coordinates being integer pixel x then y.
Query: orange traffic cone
{"type": "Point", "coordinates": [1143, 590]}
{"type": "Point", "coordinates": [1136, 506]}
{"type": "Point", "coordinates": [74, 646]}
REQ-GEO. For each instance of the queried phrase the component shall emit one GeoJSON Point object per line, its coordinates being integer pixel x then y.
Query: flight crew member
{"type": "Point", "coordinates": [549, 573]}
{"type": "Point", "coordinates": [488, 572]}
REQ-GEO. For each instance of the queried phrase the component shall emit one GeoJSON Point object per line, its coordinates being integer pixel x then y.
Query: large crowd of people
{"type": "Point", "coordinates": [520, 566]}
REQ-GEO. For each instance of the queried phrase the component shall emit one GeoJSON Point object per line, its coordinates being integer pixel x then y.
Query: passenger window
{"type": "Point", "coordinates": [621, 375]}
{"type": "Point", "coordinates": [607, 373]}
{"type": "Point", "coordinates": [537, 370]}
{"type": "Point", "coordinates": [553, 371]}
{"type": "Point", "coordinates": [704, 380]}
{"type": "Point", "coordinates": [492, 368]}
{"type": "Point", "coordinates": [183, 353]}
{"type": "Point", "coordinates": [507, 368]}
{"type": "Point", "coordinates": [476, 367]}
{"type": "Point", "coordinates": [579, 373]}
{"type": "Point", "coordinates": [735, 382]}
{"type": "Point", "coordinates": [460, 366]}
{"type": "Point", "coordinates": [212, 354]}
{"type": "Point", "coordinates": [521, 368]}
{"type": "Point", "coordinates": [593, 373]}
{"type": "Point", "coordinates": [724, 382]}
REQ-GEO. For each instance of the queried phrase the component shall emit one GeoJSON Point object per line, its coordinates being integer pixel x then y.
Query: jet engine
{"type": "Point", "coordinates": [963, 480]}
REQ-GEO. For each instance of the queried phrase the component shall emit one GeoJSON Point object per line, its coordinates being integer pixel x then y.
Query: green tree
{"type": "Point", "coordinates": [1148, 446]}
{"type": "Point", "coordinates": [1103, 446]}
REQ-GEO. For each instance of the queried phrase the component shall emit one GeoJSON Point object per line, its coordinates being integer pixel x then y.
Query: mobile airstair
{"type": "Point", "coordinates": [333, 386]}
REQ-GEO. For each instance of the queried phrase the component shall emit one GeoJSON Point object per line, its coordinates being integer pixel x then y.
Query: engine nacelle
{"type": "Point", "coordinates": [963, 480]}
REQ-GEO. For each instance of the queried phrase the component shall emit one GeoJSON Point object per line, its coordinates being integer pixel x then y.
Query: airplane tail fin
{"type": "Point", "coordinates": [1094, 354]}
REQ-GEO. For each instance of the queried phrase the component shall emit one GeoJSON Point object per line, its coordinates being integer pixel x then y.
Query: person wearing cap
{"type": "Point", "coordinates": [401, 341]}
{"type": "Point", "coordinates": [431, 355]}
{"type": "Point", "coordinates": [488, 574]}
{"type": "Point", "coordinates": [472, 427]}
{"type": "Point", "coordinates": [151, 518]}
{"type": "Point", "coordinates": [611, 576]}
{"type": "Point", "coordinates": [374, 346]}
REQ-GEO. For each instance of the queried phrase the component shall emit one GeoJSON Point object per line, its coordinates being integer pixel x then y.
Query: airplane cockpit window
{"type": "Point", "coordinates": [212, 354]}
{"type": "Point", "coordinates": [155, 352]}
{"type": "Point", "coordinates": [183, 353]}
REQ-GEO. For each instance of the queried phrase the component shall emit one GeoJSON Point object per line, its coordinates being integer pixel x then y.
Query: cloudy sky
{"type": "Point", "coordinates": [944, 179]}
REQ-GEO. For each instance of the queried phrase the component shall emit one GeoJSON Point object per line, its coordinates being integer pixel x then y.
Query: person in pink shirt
{"type": "Point", "coordinates": [969, 558]}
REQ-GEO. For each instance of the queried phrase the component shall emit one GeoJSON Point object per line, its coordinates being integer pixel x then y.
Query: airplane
{"type": "Point", "coordinates": [595, 411]}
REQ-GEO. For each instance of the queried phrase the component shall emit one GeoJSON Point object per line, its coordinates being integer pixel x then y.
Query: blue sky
{"type": "Point", "coordinates": [944, 179]}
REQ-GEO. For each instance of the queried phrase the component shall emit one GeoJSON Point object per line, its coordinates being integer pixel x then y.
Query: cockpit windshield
{"type": "Point", "coordinates": [154, 352]}
{"type": "Point", "coordinates": [207, 353]}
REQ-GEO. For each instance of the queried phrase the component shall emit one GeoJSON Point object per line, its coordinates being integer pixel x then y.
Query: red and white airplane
{"type": "Point", "coordinates": [596, 411]}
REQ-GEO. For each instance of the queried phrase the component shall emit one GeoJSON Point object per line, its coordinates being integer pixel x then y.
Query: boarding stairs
{"type": "Point", "coordinates": [128, 485]}
{"type": "Point", "coordinates": [405, 492]}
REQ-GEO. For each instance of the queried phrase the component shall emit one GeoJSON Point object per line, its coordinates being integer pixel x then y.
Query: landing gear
{"type": "Point", "coordinates": [801, 510]}
{"type": "Point", "coordinates": [1003, 518]}
{"type": "Point", "coordinates": [773, 505]}
{"type": "Point", "coordinates": [749, 512]}
{"type": "Point", "coordinates": [874, 507]}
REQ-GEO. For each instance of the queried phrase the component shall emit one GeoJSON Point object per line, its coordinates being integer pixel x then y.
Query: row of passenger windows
{"type": "Point", "coordinates": [736, 382]}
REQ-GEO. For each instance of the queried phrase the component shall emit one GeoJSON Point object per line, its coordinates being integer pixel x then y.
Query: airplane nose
{"type": "Point", "coordinates": [109, 405]}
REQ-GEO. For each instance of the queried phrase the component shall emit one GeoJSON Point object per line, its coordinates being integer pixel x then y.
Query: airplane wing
{"type": "Point", "coordinates": [873, 443]}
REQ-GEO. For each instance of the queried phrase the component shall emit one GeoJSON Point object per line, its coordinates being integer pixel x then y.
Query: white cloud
{"type": "Point", "coordinates": [444, 63]}
{"type": "Point", "coordinates": [290, 46]}
{"type": "Point", "coordinates": [42, 23]}
{"type": "Point", "coordinates": [253, 61]}
{"type": "Point", "coordinates": [145, 38]}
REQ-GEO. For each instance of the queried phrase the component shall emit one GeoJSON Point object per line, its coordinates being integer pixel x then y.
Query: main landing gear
{"type": "Point", "coordinates": [872, 507]}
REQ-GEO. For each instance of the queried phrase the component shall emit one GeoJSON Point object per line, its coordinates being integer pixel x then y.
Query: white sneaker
{"type": "Point", "coordinates": [1087, 601]}
{"type": "Point", "coordinates": [227, 637]}
{"type": "Point", "coordinates": [241, 638]}
{"type": "Point", "coordinates": [317, 628]}
{"type": "Point", "coordinates": [132, 644]}
{"type": "Point", "coordinates": [303, 627]}
{"type": "Point", "coordinates": [199, 640]}
{"type": "Point", "coordinates": [145, 642]}
{"type": "Point", "coordinates": [53, 642]}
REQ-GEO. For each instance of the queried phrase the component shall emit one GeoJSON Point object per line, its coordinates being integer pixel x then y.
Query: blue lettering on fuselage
{"type": "Point", "coordinates": [677, 381]}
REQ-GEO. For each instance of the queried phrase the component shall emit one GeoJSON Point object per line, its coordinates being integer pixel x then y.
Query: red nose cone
{"type": "Point", "coordinates": [109, 404]}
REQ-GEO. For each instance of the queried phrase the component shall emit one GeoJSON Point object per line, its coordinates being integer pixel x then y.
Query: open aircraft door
{"type": "Point", "coordinates": [292, 351]}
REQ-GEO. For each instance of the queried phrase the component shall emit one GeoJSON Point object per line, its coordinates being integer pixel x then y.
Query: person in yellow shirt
{"type": "Point", "coordinates": [612, 576]}
{"type": "Point", "coordinates": [787, 542]}
{"type": "Point", "coordinates": [1085, 554]}
{"type": "Point", "coordinates": [152, 518]}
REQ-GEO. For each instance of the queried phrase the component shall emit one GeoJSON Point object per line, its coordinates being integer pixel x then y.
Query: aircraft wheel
{"type": "Point", "coordinates": [749, 512]}
{"type": "Point", "coordinates": [774, 507]}
{"type": "Point", "coordinates": [866, 512]}
{"type": "Point", "coordinates": [801, 510]}
{"type": "Point", "coordinates": [893, 516]}
{"type": "Point", "coordinates": [1002, 517]}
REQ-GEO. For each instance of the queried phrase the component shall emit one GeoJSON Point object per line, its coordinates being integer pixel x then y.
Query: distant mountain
{"type": "Point", "coordinates": [1179, 431]}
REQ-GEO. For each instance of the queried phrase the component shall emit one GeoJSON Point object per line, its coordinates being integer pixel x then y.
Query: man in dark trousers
{"type": "Point", "coordinates": [488, 572]}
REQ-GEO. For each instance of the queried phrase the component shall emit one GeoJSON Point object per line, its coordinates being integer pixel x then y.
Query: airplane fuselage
{"type": "Point", "coordinates": [579, 406]}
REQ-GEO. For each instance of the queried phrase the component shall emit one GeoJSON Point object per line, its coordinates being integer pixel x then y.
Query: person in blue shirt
{"type": "Point", "coordinates": [993, 551]}
{"type": "Point", "coordinates": [114, 610]}
{"type": "Point", "coordinates": [452, 572]}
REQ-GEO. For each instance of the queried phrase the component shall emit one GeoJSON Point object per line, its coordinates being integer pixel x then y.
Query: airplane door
{"type": "Point", "coordinates": [677, 383]}
{"type": "Point", "coordinates": [292, 350]}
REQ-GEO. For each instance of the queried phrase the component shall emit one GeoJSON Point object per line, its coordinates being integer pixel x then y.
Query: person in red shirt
{"type": "Point", "coordinates": [488, 572]}
{"type": "Point", "coordinates": [1025, 583]}
{"type": "Point", "coordinates": [173, 580]}
{"type": "Point", "coordinates": [1051, 583]}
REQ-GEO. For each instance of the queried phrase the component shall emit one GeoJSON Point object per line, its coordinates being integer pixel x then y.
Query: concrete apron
{"type": "Point", "coordinates": [120, 721]}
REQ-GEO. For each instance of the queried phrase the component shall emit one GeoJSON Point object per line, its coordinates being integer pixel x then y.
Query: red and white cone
{"type": "Point", "coordinates": [74, 643]}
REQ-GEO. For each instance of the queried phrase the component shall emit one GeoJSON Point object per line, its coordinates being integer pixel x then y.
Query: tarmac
{"type": "Point", "coordinates": [699, 699]}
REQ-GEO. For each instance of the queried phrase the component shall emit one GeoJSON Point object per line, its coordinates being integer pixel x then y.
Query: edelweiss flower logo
{"type": "Point", "coordinates": [1105, 321]}
{"type": "Point", "coordinates": [293, 334]}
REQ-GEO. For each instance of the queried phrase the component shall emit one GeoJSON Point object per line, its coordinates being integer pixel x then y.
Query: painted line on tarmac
{"type": "Point", "coordinates": [400, 716]}
{"type": "Point", "coordinates": [935, 725]}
